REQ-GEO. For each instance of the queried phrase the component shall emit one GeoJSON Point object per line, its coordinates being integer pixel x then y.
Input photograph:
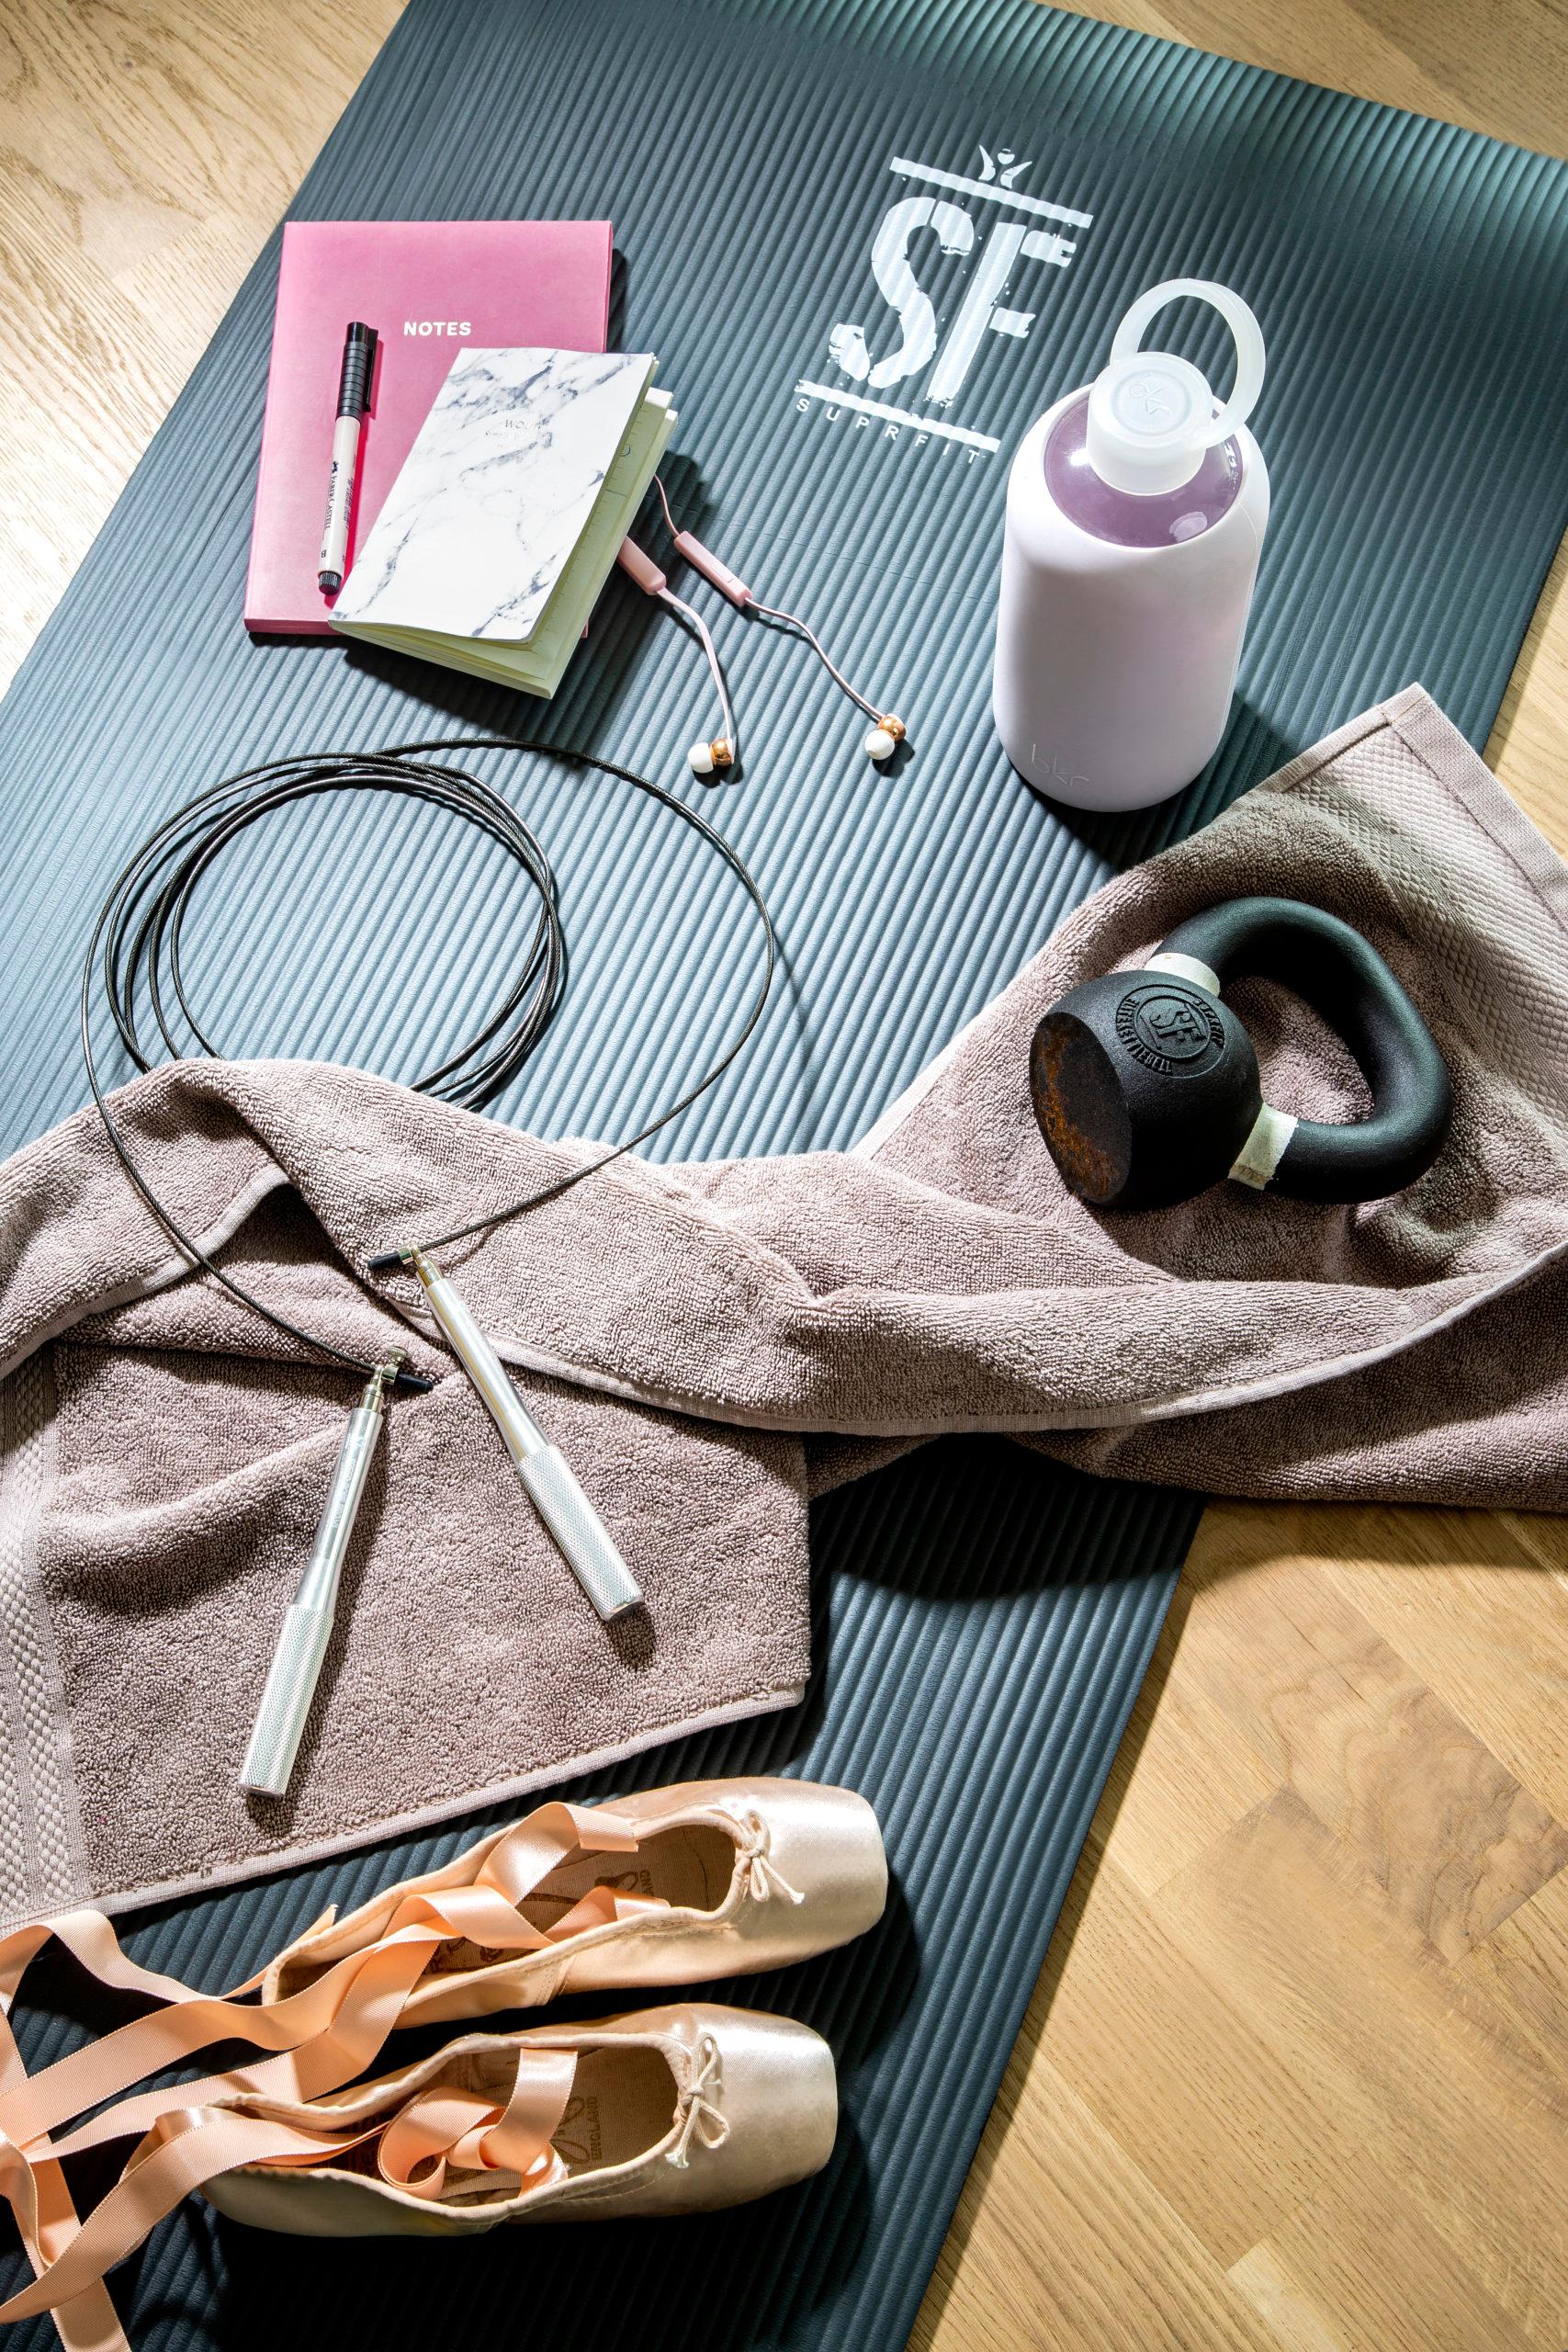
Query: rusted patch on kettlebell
{"type": "Point", "coordinates": [1068, 1079]}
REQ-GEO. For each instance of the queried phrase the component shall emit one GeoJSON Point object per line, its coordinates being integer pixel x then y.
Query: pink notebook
{"type": "Point", "coordinates": [427, 288]}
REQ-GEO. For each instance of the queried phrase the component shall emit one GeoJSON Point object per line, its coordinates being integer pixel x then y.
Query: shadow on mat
{"type": "Point", "coordinates": [1253, 748]}
{"type": "Point", "coordinates": [708, 2283]}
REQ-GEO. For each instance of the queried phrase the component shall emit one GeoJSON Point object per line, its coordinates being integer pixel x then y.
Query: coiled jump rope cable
{"type": "Point", "coordinates": [135, 955]}
{"type": "Point", "coordinates": [135, 950]}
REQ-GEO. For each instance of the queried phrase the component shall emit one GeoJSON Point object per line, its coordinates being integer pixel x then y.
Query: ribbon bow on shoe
{"type": "Point", "coordinates": [763, 1876]}
{"type": "Point", "coordinates": [701, 2117]}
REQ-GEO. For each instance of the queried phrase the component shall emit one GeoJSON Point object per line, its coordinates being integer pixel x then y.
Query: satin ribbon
{"type": "Point", "coordinates": [319, 2039]}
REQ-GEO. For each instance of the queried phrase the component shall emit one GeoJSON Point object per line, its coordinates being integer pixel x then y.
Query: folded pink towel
{"type": "Point", "coordinates": [707, 1343]}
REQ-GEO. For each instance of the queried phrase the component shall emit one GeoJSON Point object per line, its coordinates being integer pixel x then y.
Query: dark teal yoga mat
{"type": "Point", "coordinates": [983, 1619]}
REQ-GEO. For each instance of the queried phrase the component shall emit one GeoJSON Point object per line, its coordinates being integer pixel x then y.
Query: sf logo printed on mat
{"type": "Point", "coordinates": [1016, 235]}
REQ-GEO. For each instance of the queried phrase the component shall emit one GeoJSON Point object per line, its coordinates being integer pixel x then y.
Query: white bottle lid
{"type": "Point", "coordinates": [1151, 416]}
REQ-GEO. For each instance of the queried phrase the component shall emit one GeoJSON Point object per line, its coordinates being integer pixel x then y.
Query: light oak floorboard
{"type": "Point", "coordinates": [1296, 2077]}
{"type": "Point", "coordinates": [147, 148]}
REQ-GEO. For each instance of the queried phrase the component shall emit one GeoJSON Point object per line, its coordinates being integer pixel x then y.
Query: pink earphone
{"type": "Point", "coordinates": [887, 731]}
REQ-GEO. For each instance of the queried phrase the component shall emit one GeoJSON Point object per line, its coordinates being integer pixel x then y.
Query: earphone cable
{"type": "Point", "coordinates": [730, 585]}
{"type": "Point", "coordinates": [777, 613]}
{"type": "Point", "coordinates": [690, 613]}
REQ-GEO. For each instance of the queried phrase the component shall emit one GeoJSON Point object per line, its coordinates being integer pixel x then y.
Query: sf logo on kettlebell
{"type": "Point", "coordinates": [1169, 1030]}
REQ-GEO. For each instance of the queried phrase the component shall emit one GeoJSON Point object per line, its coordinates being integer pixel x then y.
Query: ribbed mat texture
{"type": "Point", "coordinates": [983, 1619]}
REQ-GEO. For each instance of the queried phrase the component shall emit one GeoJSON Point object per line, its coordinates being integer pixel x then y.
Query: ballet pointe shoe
{"type": "Point", "coordinates": [663, 2111]}
{"type": "Point", "coordinates": [679, 1885]}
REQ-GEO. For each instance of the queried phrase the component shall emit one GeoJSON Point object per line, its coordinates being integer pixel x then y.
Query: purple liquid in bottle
{"type": "Point", "coordinates": [1124, 517]}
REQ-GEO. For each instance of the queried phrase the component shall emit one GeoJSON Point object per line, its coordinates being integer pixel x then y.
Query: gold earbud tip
{"type": "Point", "coordinates": [723, 751]}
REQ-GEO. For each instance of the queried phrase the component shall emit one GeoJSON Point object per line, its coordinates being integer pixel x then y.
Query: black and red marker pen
{"type": "Point", "coordinates": [353, 398]}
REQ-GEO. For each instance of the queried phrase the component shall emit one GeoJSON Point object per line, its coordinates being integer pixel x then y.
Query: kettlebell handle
{"type": "Point", "coordinates": [1346, 980]}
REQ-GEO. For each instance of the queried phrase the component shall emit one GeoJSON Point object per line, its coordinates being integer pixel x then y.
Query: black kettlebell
{"type": "Point", "coordinates": [1146, 1088]}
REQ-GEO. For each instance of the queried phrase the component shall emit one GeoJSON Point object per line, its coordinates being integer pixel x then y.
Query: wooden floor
{"type": "Point", "coordinates": [1295, 2078]}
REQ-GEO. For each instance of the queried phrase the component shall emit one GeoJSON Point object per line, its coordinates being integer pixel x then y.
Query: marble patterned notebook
{"type": "Point", "coordinates": [498, 532]}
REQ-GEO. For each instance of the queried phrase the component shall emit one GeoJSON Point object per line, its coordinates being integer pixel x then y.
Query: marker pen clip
{"type": "Point", "coordinates": [353, 397]}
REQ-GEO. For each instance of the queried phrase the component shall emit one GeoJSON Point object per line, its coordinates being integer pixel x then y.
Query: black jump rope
{"type": "Point", "coordinates": [136, 943]}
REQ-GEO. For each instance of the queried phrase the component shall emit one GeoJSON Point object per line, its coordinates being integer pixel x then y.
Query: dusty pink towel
{"type": "Point", "coordinates": [709, 1343]}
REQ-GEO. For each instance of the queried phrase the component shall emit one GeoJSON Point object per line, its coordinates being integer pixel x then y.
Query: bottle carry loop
{"type": "Point", "coordinates": [1151, 416]}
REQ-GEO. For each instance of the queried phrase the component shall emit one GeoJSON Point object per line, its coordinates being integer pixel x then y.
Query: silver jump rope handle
{"type": "Point", "coordinates": [307, 1628]}
{"type": "Point", "coordinates": [552, 1485]}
